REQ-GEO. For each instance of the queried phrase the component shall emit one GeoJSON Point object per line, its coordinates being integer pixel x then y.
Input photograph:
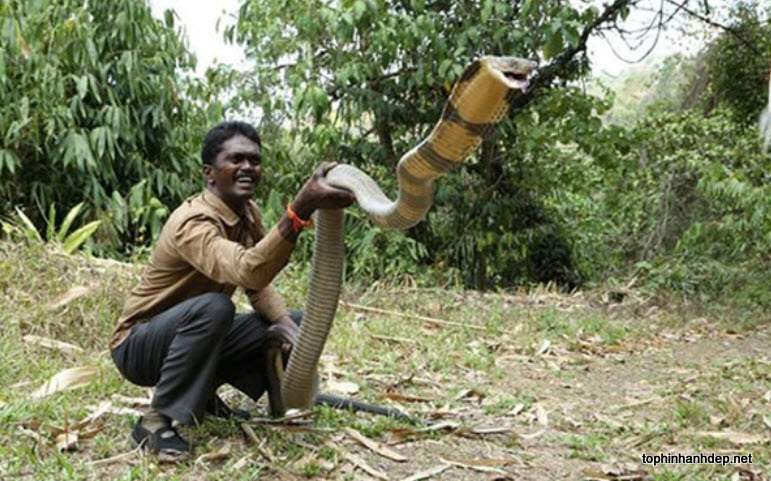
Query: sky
{"type": "Point", "coordinates": [199, 20]}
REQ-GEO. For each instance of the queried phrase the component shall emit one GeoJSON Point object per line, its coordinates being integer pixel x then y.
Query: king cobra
{"type": "Point", "coordinates": [477, 102]}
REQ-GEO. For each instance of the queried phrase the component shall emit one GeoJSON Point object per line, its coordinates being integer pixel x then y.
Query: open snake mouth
{"type": "Point", "coordinates": [514, 71]}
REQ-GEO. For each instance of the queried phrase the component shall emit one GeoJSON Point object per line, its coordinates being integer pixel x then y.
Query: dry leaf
{"type": "Point", "coordinates": [374, 446]}
{"type": "Point", "coordinates": [625, 472]}
{"type": "Point", "coordinates": [428, 473]}
{"type": "Point", "coordinates": [517, 409]}
{"type": "Point", "coordinates": [67, 441]}
{"type": "Point", "coordinates": [241, 463]}
{"type": "Point", "coordinates": [120, 411]}
{"type": "Point", "coordinates": [534, 435]}
{"type": "Point", "coordinates": [359, 463]}
{"type": "Point", "coordinates": [103, 408]}
{"type": "Point", "coordinates": [541, 415]}
{"type": "Point", "coordinates": [717, 420]}
{"type": "Point", "coordinates": [222, 453]}
{"type": "Point", "coordinates": [440, 426]}
{"type": "Point", "coordinates": [492, 430]}
{"type": "Point", "coordinates": [342, 387]}
{"type": "Point", "coordinates": [395, 396]}
{"type": "Point", "coordinates": [250, 434]}
{"type": "Point", "coordinates": [67, 379]}
{"type": "Point", "coordinates": [476, 467]}
{"type": "Point", "coordinates": [40, 439]}
{"type": "Point", "coordinates": [20, 384]}
{"type": "Point", "coordinates": [64, 347]}
{"type": "Point", "coordinates": [133, 401]}
{"type": "Point", "coordinates": [734, 437]}
{"type": "Point", "coordinates": [470, 393]}
{"type": "Point", "coordinates": [69, 296]}
{"type": "Point", "coordinates": [90, 432]}
{"type": "Point", "coordinates": [116, 458]}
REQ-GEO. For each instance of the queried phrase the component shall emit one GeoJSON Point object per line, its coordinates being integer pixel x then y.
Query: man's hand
{"type": "Point", "coordinates": [285, 331]}
{"type": "Point", "coordinates": [317, 193]}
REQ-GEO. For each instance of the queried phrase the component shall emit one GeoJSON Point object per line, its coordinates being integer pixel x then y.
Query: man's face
{"type": "Point", "coordinates": [236, 170]}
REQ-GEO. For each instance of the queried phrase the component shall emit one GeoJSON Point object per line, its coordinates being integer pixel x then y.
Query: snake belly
{"type": "Point", "coordinates": [477, 102]}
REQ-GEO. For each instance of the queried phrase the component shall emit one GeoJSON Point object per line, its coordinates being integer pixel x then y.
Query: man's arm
{"type": "Point", "coordinates": [201, 243]}
{"type": "Point", "coordinates": [271, 306]}
{"type": "Point", "coordinates": [268, 303]}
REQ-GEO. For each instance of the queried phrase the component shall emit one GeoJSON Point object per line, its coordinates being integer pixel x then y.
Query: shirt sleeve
{"type": "Point", "coordinates": [200, 242]}
{"type": "Point", "coordinates": [268, 303]}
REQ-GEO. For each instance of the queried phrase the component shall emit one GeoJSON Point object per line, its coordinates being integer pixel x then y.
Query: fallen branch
{"type": "Point", "coordinates": [430, 320]}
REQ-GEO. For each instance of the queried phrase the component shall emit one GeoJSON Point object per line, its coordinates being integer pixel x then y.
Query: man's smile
{"type": "Point", "coordinates": [246, 179]}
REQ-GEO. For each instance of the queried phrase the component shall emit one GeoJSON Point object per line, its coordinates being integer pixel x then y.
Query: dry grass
{"type": "Point", "coordinates": [552, 386]}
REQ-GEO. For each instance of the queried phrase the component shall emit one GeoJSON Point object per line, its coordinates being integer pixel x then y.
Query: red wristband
{"type": "Point", "coordinates": [298, 224]}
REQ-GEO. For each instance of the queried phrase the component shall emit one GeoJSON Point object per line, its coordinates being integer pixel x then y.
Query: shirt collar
{"type": "Point", "coordinates": [223, 211]}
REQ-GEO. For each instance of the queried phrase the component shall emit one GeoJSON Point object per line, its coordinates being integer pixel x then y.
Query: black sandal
{"type": "Point", "coordinates": [165, 442]}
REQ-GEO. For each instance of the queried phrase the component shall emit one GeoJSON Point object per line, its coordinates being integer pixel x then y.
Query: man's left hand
{"type": "Point", "coordinates": [285, 330]}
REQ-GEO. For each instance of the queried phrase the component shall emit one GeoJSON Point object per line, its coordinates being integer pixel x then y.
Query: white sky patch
{"type": "Point", "coordinates": [199, 23]}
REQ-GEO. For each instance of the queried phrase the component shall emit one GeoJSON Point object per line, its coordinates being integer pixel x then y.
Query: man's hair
{"type": "Point", "coordinates": [220, 133]}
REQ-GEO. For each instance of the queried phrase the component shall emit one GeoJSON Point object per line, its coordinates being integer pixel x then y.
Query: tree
{"type": "Point", "coordinates": [95, 108]}
{"type": "Point", "coordinates": [362, 81]}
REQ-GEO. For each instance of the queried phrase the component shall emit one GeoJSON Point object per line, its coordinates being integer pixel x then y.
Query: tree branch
{"type": "Point", "coordinates": [712, 23]}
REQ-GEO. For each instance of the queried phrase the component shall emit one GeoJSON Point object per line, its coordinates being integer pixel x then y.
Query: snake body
{"type": "Point", "coordinates": [477, 102]}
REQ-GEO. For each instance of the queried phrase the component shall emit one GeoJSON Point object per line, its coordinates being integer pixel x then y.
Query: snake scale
{"type": "Point", "coordinates": [477, 102]}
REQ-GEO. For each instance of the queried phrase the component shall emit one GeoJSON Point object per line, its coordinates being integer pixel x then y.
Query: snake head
{"type": "Point", "coordinates": [514, 72]}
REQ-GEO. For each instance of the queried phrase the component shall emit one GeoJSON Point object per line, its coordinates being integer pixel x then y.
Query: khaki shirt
{"type": "Point", "coordinates": [206, 247]}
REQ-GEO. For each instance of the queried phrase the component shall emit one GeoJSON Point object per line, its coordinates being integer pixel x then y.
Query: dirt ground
{"type": "Point", "coordinates": [596, 413]}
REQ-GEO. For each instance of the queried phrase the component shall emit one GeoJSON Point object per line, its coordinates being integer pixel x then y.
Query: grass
{"type": "Point", "coordinates": [580, 359]}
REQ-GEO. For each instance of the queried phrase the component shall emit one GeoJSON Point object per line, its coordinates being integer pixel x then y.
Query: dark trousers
{"type": "Point", "coordinates": [191, 349]}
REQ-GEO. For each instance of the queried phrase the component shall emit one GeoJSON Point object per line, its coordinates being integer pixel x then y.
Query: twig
{"type": "Point", "coordinates": [430, 320]}
{"type": "Point", "coordinates": [376, 447]}
{"type": "Point", "coordinates": [250, 434]}
{"type": "Point", "coordinates": [713, 23]}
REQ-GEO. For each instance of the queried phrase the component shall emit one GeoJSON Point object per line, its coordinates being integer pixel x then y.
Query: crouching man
{"type": "Point", "coordinates": [179, 331]}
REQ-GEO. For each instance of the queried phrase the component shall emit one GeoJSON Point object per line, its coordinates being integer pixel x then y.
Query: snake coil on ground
{"type": "Point", "coordinates": [477, 102]}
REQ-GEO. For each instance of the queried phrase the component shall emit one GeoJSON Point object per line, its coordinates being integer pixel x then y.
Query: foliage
{"type": "Point", "coordinates": [96, 110]}
{"type": "Point", "coordinates": [694, 206]}
{"type": "Point", "coordinates": [23, 228]}
{"type": "Point", "coordinates": [739, 63]}
{"type": "Point", "coordinates": [364, 81]}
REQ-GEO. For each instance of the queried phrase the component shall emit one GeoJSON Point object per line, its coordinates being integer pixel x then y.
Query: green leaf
{"type": "Point", "coordinates": [51, 222]}
{"type": "Point", "coordinates": [67, 222]}
{"type": "Point", "coordinates": [29, 229]}
{"type": "Point", "coordinates": [81, 235]}
{"type": "Point", "coordinates": [8, 161]}
{"type": "Point", "coordinates": [553, 45]}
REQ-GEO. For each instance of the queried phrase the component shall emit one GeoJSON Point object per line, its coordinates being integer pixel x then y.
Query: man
{"type": "Point", "coordinates": [179, 331]}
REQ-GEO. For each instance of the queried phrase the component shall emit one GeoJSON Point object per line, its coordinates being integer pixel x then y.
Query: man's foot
{"type": "Point", "coordinates": [164, 441]}
{"type": "Point", "coordinates": [216, 407]}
